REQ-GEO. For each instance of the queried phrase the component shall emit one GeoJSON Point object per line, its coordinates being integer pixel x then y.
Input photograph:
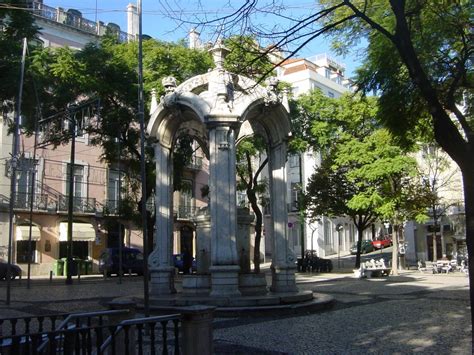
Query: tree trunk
{"type": "Point", "coordinates": [395, 249]}
{"type": "Point", "coordinates": [258, 229]}
{"type": "Point", "coordinates": [468, 179]}
{"type": "Point", "coordinates": [360, 231]}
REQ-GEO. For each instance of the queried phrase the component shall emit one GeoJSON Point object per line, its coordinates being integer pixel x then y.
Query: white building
{"type": "Point", "coordinates": [328, 236]}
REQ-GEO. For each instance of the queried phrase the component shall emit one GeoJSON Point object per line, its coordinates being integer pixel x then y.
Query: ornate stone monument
{"type": "Point", "coordinates": [211, 108]}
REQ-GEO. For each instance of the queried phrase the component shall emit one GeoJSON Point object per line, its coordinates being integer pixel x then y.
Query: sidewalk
{"type": "Point", "coordinates": [412, 312]}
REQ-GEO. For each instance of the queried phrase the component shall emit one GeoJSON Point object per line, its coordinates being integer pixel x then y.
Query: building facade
{"type": "Point", "coordinates": [45, 172]}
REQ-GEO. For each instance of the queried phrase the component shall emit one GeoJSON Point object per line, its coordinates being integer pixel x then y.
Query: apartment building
{"type": "Point", "coordinates": [96, 185]}
{"type": "Point", "coordinates": [328, 236]}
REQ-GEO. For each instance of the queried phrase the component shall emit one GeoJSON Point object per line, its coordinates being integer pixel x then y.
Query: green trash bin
{"type": "Point", "coordinates": [88, 266]}
{"type": "Point", "coordinates": [81, 266]}
{"type": "Point", "coordinates": [73, 267]}
{"type": "Point", "coordinates": [58, 267]}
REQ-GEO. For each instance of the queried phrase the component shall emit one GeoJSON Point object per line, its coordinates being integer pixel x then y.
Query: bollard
{"type": "Point", "coordinates": [51, 276]}
{"type": "Point", "coordinates": [196, 337]}
{"type": "Point", "coordinates": [129, 272]}
{"type": "Point", "coordinates": [78, 275]}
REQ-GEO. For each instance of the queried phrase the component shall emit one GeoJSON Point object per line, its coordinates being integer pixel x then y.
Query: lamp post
{"type": "Point", "coordinates": [339, 229]}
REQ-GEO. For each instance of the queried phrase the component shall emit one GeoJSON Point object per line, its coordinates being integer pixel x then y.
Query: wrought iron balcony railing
{"type": "Point", "coordinates": [195, 163]}
{"type": "Point", "coordinates": [41, 202]}
{"type": "Point", "coordinates": [80, 204]}
{"type": "Point", "coordinates": [185, 212]}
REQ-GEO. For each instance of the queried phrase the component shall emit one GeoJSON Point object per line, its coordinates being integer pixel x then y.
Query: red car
{"type": "Point", "coordinates": [382, 243]}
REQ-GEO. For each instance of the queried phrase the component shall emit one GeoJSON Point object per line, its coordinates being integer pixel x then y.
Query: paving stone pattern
{"type": "Point", "coordinates": [410, 313]}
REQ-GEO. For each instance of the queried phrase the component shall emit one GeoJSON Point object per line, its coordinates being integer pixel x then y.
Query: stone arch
{"type": "Point", "coordinates": [212, 107]}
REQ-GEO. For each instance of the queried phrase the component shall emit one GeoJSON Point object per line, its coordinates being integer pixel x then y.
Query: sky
{"type": "Point", "coordinates": [158, 23]}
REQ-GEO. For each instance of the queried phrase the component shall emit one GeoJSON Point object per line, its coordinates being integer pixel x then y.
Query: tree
{"type": "Point", "coordinates": [108, 71]}
{"type": "Point", "coordinates": [15, 26]}
{"type": "Point", "coordinates": [326, 124]}
{"type": "Point", "coordinates": [389, 177]}
{"type": "Point", "coordinates": [328, 193]}
{"type": "Point", "coordinates": [248, 149]}
{"type": "Point", "coordinates": [419, 60]}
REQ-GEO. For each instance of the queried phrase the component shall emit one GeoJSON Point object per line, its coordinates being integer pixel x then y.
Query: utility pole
{"type": "Point", "coordinates": [13, 170]}
{"type": "Point", "coordinates": [142, 162]}
{"type": "Point", "coordinates": [72, 127]}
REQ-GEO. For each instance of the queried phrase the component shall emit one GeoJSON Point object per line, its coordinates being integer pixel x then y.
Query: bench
{"type": "Point", "coordinates": [372, 268]}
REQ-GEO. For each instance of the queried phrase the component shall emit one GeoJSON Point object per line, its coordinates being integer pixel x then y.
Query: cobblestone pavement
{"type": "Point", "coordinates": [410, 313]}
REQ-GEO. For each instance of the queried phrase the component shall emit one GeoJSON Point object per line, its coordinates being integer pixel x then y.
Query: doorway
{"type": "Point", "coordinates": [429, 243]}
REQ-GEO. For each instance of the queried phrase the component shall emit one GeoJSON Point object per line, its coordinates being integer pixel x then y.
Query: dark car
{"type": "Point", "coordinates": [132, 260]}
{"type": "Point", "coordinates": [178, 260]}
{"type": "Point", "coordinates": [15, 270]}
{"type": "Point", "coordinates": [365, 247]}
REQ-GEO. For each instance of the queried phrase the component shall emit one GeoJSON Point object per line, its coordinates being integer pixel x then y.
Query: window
{"type": "Point", "coordinates": [295, 196]}
{"type": "Point", "coordinates": [186, 198]}
{"type": "Point", "coordinates": [327, 73]}
{"type": "Point", "coordinates": [80, 249]}
{"type": "Point", "coordinates": [294, 160]}
{"type": "Point", "coordinates": [22, 251]}
{"type": "Point", "coordinates": [26, 167]}
{"type": "Point", "coordinates": [241, 199]}
{"type": "Point", "coordinates": [78, 175]}
{"type": "Point", "coordinates": [113, 189]}
{"type": "Point", "coordinates": [331, 94]}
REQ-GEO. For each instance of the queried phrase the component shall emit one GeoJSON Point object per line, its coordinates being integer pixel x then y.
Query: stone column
{"type": "Point", "coordinates": [160, 260]}
{"type": "Point", "coordinates": [283, 260]}
{"type": "Point", "coordinates": [197, 331]}
{"type": "Point", "coordinates": [222, 180]}
{"type": "Point", "coordinates": [203, 243]}
{"type": "Point", "coordinates": [245, 228]}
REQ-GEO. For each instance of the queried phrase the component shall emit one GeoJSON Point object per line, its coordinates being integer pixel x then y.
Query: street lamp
{"type": "Point", "coordinates": [339, 229]}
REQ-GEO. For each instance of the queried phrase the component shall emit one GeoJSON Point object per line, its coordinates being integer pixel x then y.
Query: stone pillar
{"type": "Point", "coordinates": [245, 228]}
{"type": "Point", "coordinates": [283, 259]}
{"type": "Point", "coordinates": [222, 181]}
{"type": "Point", "coordinates": [203, 243]}
{"type": "Point", "coordinates": [196, 328]}
{"type": "Point", "coordinates": [160, 259]}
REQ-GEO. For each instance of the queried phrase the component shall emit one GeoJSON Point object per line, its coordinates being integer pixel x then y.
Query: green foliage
{"type": "Point", "coordinates": [14, 26]}
{"type": "Point", "coordinates": [182, 156]}
{"type": "Point", "coordinates": [108, 71]}
{"type": "Point", "coordinates": [247, 58]}
{"type": "Point", "coordinates": [322, 122]}
{"type": "Point", "coordinates": [419, 54]}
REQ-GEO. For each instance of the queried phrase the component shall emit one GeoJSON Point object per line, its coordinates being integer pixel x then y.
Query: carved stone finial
{"type": "Point", "coordinates": [171, 95]}
{"type": "Point", "coordinates": [219, 52]}
{"type": "Point", "coordinates": [154, 102]}
{"type": "Point", "coordinates": [169, 83]}
{"type": "Point", "coordinates": [272, 97]}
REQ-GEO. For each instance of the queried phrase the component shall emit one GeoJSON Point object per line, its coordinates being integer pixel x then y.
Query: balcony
{"type": "Point", "coordinates": [185, 212]}
{"type": "Point", "coordinates": [111, 207]}
{"type": "Point", "coordinates": [41, 202]}
{"type": "Point", "coordinates": [80, 204]}
{"type": "Point", "coordinates": [74, 19]}
{"type": "Point", "coordinates": [195, 163]}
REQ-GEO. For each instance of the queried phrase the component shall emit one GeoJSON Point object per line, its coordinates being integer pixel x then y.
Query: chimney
{"type": "Point", "coordinates": [132, 21]}
{"type": "Point", "coordinates": [194, 41]}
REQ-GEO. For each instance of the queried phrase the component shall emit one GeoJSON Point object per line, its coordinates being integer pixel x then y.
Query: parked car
{"type": "Point", "coordinates": [365, 247]}
{"type": "Point", "coordinates": [178, 260]}
{"type": "Point", "coordinates": [15, 270]}
{"type": "Point", "coordinates": [382, 243]}
{"type": "Point", "coordinates": [132, 259]}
